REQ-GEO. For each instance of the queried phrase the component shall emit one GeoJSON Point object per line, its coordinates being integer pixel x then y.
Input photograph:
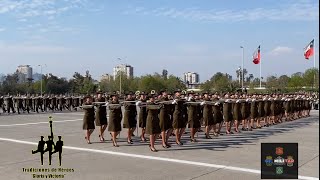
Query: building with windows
{"type": "Point", "coordinates": [24, 73]}
{"type": "Point", "coordinates": [105, 77]}
{"type": "Point", "coordinates": [192, 80]}
{"type": "Point", "coordinates": [124, 68]}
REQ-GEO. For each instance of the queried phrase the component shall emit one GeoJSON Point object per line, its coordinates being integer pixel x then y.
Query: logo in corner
{"type": "Point", "coordinates": [279, 151]}
{"type": "Point", "coordinates": [279, 161]}
{"type": "Point", "coordinates": [268, 161]}
{"type": "Point", "coordinates": [49, 146]}
{"type": "Point", "coordinates": [290, 161]}
{"type": "Point", "coordinates": [279, 170]}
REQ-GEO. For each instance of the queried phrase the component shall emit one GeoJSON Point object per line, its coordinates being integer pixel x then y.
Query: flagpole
{"type": "Point", "coordinates": [314, 63]}
{"type": "Point", "coordinates": [260, 67]}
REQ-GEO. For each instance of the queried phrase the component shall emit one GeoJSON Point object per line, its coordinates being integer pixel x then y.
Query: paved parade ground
{"type": "Point", "coordinates": [234, 156]}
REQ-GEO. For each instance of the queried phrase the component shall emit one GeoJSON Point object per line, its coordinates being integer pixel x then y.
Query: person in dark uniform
{"type": "Point", "coordinates": [261, 112]}
{"type": "Point", "coordinates": [193, 116]}
{"type": "Point", "coordinates": [50, 147]}
{"type": "Point", "coordinates": [243, 110]}
{"type": "Point", "coordinates": [153, 122]}
{"type": "Point", "coordinates": [267, 111]}
{"type": "Point", "coordinates": [236, 112]}
{"type": "Point", "coordinates": [2, 104]}
{"type": "Point", "coordinates": [101, 114]}
{"type": "Point", "coordinates": [40, 149]}
{"type": "Point", "coordinates": [9, 104]}
{"type": "Point", "coordinates": [142, 115]}
{"type": "Point", "coordinates": [88, 118]}
{"type": "Point", "coordinates": [58, 148]}
{"type": "Point", "coordinates": [130, 116]}
{"type": "Point", "coordinates": [164, 117]}
{"type": "Point", "coordinates": [253, 111]}
{"type": "Point", "coordinates": [217, 115]}
{"type": "Point", "coordinates": [115, 117]}
{"type": "Point", "coordinates": [227, 113]}
{"type": "Point", "coordinates": [178, 121]}
{"type": "Point", "coordinates": [207, 114]}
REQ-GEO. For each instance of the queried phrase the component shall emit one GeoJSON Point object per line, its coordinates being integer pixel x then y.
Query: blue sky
{"type": "Point", "coordinates": [203, 36]}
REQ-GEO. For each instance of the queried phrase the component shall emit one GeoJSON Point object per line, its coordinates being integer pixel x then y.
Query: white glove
{"type": "Point", "coordinates": [174, 102]}
{"type": "Point", "coordinates": [217, 103]}
{"type": "Point", "coordinates": [107, 104]}
{"type": "Point", "coordinates": [202, 103]}
{"type": "Point", "coordinates": [138, 103]}
{"type": "Point", "coordinates": [237, 101]}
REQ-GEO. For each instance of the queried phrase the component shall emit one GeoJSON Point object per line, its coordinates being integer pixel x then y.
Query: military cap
{"type": "Point", "coordinates": [177, 90]}
{"type": "Point", "coordinates": [113, 94]}
{"type": "Point", "coordinates": [99, 92]}
{"type": "Point", "coordinates": [87, 96]}
{"type": "Point", "coordinates": [129, 93]}
{"type": "Point", "coordinates": [142, 93]}
{"type": "Point", "coordinates": [190, 92]}
{"type": "Point", "coordinates": [205, 93]}
{"type": "Point", "coordinates": [161, 92]}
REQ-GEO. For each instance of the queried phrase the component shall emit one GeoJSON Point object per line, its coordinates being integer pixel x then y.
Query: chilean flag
{"type": "Point", "coordinates": [308, 50]}
{"type": "Point", "coordinates": [256, 56]}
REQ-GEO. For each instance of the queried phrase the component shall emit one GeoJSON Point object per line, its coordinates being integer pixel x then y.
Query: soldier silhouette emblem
{"type": "Point", "coordinates": [51, 148]}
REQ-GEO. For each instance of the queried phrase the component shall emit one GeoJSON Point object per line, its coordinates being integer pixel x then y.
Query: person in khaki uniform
{"type": "Point", "coordinates": [130, 116]}
{"type": "Point", "coordinates": [115, 117]}
{"type": "Point", "coordinates": [236, 112]}
{"type": "Point", "coordinates": [193, 116]}
{"type": "Point", "coordinates": [207, 114]}
{"type": "Point", "coordinates": [227, 113]}
{"type": "Point", "coordinates": [153, 122]}
{"type": "Point", "coordinates": [164, 117]}
{"type": "Point", "coordinates": [142, 115]}
{"type": "Point", "coordinates": [178, 121]}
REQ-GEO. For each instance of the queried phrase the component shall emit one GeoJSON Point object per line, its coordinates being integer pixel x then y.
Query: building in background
{"type": "Point", "coordinates": [124, 68]}
{"type": "Point", "coordinates": [192, 80]}
{"type": "Point", "coordinates": [24, 73]}
{"type": "Point", "coordinates": [105, 77]}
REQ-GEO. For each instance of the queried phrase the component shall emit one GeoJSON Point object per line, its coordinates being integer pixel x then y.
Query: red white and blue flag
{"type": "Point", "coordinates": [308, 50]}
{"type": "Point", "coordinates": [256, 56]}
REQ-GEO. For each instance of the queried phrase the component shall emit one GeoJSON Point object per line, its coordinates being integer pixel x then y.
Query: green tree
{"type": "Point", "coordinates": [310, 76]}
{"type": "Point", "coordinates": [150, 82]}
{"type": "Point", "coordinates": [296, 81]}
{"type": "Point", "coordinates": [272, 82]}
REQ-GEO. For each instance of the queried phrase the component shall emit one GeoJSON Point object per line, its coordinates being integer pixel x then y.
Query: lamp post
{"type": "Point", "coordinates": [242, 74]}
{"type": "Point", "coordinates": [120, 77]}
{"type": "Point", "coordinates": [41, 77]}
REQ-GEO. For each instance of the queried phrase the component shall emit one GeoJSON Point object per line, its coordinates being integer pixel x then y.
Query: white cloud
{"type": "Point", "coordinates": [280, 50]}
{"type": "Point", "coordinates": [2, 29]}
{"type": "Point", "coordinates": [298, 11]}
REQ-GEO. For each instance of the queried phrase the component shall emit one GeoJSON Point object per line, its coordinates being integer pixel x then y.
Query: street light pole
{"type": "Point", "coordinates": [242, 74]}
{"type": "Point", "coordinates": [41, 78]}
{"type": "Point", "coordinates": [120, 77]}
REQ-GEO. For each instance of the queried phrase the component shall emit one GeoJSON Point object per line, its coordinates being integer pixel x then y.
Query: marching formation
{"type": "Point", "coordinates": [162, 115]}
{"type": "Point", "coordinates": [35, 103]}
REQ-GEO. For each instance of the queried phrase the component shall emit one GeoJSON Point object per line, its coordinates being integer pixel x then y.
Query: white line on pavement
{"type": "Point", "coordinates": [253, 171]}
{"type": "Point", "coordinates": [46, 122]}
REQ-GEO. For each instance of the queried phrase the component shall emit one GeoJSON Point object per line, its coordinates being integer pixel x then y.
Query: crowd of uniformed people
{"type": "Point", "coordinates": [162, 115]}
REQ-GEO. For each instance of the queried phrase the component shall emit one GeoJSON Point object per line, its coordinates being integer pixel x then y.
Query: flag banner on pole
{"type": "Point", "coordinates": [308, 50]}
{"type": "Point", "coordinates": [256, 56]}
